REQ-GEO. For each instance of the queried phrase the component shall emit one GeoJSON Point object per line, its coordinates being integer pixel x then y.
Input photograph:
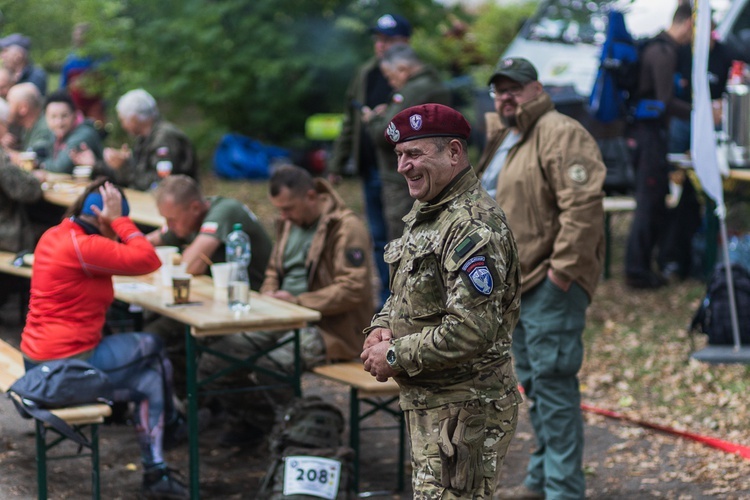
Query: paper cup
{"type": "Point", "coordinates": [82, 173]}
{"type": "Point", "coordinates": [27, 159]}
{"type": "Point", "coordinates": [181, 288]}
{"type": "Point", "coordinates": [220, 273]}
{"type": "Point", "coordinates": [165, 256]}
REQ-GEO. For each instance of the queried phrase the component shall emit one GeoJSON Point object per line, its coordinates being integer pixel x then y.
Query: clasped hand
{"type": "Point", "coordinates": [373, 355]}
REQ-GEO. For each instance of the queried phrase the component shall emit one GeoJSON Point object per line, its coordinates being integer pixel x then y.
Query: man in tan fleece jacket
{"type": "Point", "coordinates": [546, 173]}
{"type": "Point", "coordinates": [322, 260]}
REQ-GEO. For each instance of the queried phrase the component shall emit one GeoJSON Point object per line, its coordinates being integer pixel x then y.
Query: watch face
{"type": "Point", "coordinates": [391, 356]}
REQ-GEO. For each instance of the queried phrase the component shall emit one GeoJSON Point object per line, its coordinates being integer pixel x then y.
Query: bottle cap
{"type": "Point", "coordinates": [237, 226]}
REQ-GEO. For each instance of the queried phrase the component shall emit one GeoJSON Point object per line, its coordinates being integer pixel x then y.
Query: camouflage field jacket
{"type": "Point", "coordinates": [455, 300]}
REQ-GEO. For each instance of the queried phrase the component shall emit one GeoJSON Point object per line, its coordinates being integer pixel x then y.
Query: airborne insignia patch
{"type": "Point", "coordinates": [479, 274]}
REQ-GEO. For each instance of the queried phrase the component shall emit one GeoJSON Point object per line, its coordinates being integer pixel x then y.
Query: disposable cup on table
{"type": "Point", "coordinates": [181, 288]}
{"type": "Point", "coordinates": [220, 273]}
{"type": "Point", "coordinates": [165, 254]}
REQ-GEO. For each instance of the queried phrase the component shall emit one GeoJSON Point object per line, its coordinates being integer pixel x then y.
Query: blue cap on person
{"type": "Point", "coordinates": [392, 25]}
{"type": "Point", "coordinates": [95, 198]}
{"type": "Point", "coordinates": [427, 120]}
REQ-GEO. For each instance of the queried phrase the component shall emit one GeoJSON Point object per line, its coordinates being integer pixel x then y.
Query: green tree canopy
{"type": "Point", "coordinates": [259, 67]}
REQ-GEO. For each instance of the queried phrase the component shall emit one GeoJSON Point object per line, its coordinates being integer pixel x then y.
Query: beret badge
{"type": "Point", "coordinates": [393, 133]}
{"type": "Point", "coordinates": [415, 121]}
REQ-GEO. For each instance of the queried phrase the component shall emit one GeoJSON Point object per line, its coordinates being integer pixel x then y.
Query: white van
{"type": "Point", "coordinates": [563, 38]}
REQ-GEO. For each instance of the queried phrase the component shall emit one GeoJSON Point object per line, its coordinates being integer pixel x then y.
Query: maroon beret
{"type": "Point", "coordinates": [427, 120]}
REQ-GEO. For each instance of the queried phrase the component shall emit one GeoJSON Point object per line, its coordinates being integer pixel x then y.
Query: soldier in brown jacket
{"type": "Point", "coordinates": [321, 259]}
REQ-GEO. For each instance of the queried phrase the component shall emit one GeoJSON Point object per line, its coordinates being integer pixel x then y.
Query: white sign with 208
{"type": "Point", "coordinates": [316, 476]}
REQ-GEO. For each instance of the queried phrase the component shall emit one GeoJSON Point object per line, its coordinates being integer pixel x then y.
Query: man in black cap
{"type": "Point", "coordinates": [15, 57]}
{"type": "Point", "coordinates": [546, 172]}
{"type": "Point", "coordinates": [368, 89]}
{"type": "Point", "coordinates": [444, 334]}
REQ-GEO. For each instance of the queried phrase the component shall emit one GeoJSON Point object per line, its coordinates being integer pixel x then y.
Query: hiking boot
{"type": "Point", "coordinates": [520, 492]}
{"type": "Point", "coordinates": [645, 281]}
{"type": "Point", "coordinates": [161, 484]}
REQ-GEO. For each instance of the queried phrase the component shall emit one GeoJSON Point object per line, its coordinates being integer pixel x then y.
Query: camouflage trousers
{"type": "Point", "coordinates": [457, 448]}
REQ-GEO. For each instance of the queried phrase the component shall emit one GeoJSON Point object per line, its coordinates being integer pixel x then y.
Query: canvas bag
{"type": "Point", "coordinates": [309, 427]}
{"type": "Point", "coordinates": [57, 384]}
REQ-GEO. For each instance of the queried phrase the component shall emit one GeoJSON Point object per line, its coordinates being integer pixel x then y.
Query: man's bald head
{"type": "Point", "coordinates": [26, 93]}
{"type": "Point", "coordinates": [25, 103]}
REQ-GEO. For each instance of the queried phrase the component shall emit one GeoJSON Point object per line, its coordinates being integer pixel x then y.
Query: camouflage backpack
{"type": "Point", "coordinates": [306, 443]}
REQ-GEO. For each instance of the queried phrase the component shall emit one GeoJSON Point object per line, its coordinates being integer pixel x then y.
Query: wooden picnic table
{"type": "Point", "coordinates": [209, 315]}
{"type": "Point", "coordinates": [63, 190]}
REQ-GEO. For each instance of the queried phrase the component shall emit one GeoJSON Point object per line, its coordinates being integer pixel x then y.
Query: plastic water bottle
{"type": "Point", "coordinates": [238, 252]}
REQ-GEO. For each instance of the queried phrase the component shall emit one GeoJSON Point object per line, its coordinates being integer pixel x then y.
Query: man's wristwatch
{"type": "Point", "coordinates": [390, 355]}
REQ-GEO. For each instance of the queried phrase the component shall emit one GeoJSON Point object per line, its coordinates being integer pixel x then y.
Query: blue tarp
{"type": "Point", "coordinates": [240, 157]}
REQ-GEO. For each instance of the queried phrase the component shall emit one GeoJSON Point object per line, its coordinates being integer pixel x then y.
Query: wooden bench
{"type": "Point", "coordinates": [613, 204]}
{"type": "Point", "coordinates": [12, 368]}
{"type": "Point", "coordinates": [363, 388]}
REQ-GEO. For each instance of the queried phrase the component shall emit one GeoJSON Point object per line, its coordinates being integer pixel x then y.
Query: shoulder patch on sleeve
{"type": "Point", "coordinates": [578, 174]}
{"type": "Point", "coordinates": [209, 228]}
{"type": "Point", "coordinates": [479, 274]}
{"type": "Point", "coordinates": [355, 256]}
{"type": "Point", "coordinates": [467, 247]}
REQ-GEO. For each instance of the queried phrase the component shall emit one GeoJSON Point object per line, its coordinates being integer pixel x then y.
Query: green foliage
{"type": "Point", "coordinates": [259, 67]}
{"type": "Point", "coordinates": [494, 28]}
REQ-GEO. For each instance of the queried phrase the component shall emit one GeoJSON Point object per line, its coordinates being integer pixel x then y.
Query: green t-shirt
{"type": "Point", "coordinates": [295, 254]}
{"type": "Point", "coordinates": [220, 219]}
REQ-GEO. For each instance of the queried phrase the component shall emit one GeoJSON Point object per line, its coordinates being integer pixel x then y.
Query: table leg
{"type": "Point", "coordinates": [297, 383]}
{"type": "Point", "coordinates": [192, 396]}
{"type": "Point", "coordinates": [354, 433]}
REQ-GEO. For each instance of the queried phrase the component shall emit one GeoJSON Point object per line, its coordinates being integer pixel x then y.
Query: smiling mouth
{"type": "Point", "coordinates": [415, 178]}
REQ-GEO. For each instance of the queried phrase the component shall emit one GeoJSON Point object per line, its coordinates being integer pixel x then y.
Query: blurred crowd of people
{"type": "Point", "coordinates": [469, 258]}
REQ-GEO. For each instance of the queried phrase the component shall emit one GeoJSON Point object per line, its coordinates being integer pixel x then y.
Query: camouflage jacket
{"type": "Point", "coordinates": [455, 299]}
{"type": "Point", "coordinates": [17, 188]}
{"type": "Point", "coordinates": [167, 144]}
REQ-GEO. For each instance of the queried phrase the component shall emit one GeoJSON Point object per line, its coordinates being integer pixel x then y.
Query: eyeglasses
{"type": "Point", "coordinates": [511, 91]}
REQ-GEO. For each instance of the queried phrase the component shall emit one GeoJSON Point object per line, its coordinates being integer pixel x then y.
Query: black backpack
{"type": "Point", "coordinates": [58, 384]}
{"type": "Point", "coordinates": [713, 316]}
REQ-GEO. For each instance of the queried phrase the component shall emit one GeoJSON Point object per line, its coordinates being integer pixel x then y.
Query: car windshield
{"type": "Point", "coordinates": [569, 21]}
{"type": "Point", "coordinates": [585, 21]}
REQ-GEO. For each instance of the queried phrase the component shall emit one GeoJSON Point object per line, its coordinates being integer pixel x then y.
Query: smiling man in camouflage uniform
{"type": "Point", "coordinates": [445, 333]}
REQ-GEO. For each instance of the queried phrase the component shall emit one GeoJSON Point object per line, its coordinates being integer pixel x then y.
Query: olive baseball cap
{"type": "Point", "coordinates": [517, 69]}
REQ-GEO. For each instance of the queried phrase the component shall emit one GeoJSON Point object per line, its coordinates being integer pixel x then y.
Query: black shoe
{"type": "Point", "coordinates": [161, 484]}
{"type": "Point", "coordinates": [241, 435]}
{"type": "Point", "coordinates": [645, 281]}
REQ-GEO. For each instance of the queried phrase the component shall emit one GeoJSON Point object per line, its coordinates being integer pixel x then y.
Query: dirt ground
{"type": "Point", "coordinates": [622, 461]}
